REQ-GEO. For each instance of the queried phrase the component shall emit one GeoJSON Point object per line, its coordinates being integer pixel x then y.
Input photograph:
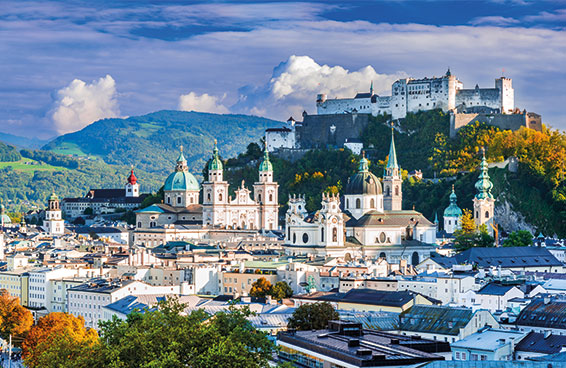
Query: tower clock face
{"type": "Point", "coordinates": [334, 220]}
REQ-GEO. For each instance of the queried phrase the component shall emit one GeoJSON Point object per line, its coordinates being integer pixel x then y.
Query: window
{"type": "Point", "coordinates": [474, 357]}
{"type": "Point", "coordinates": [486, 214]}
{"type": "Point", "coordinates": [220, 197]}
{"type": "Point", "coordinates": [305, 238]}
{"type": "Point", "coordinates": [271, 198]}
{"type": "Point", "coordinates": [334, 234]}
{"type": "Point", "coordinates": [294, 238]}
{"type": "Point", "coordinates": [321, 234]}
{"type": "Point", "coordinates": [372, 203]}
{"type": "Point", "coordinates": [358, 203]}
{"type": "Point", "coordinates": [208, 196]}
{"type": "Point", "coordinates": [396, 190]}
{"type": "Point", "coordinates": [259, 198]}
{"type": "Point", "coordinates": [178, 200]}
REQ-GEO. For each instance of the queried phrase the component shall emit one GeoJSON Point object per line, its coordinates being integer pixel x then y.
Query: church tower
{"type": "Point", "coordinates": [53, 220]}
{"type": "Point", "coordinates": [452, 214]}
{"type": "Point", "coordinates": [266, 195]}
{"type": "Point", "coordinates": [215, 193]}
{"type": "Point", "coordinates": [392, 181]}
{"type": "Point", "coordinates": [132, 186]}
{"type": "Point", "coordinates": [484, 203]}
{"type": "Point", "coordinates": [331, 222]}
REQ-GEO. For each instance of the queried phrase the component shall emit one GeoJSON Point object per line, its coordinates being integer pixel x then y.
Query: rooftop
{"type": "Point", "coordinates": [488, 339]}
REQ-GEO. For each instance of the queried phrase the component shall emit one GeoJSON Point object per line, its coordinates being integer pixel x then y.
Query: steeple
{"type": "Point", "coordinates": [216, 163]}
{"type": "Point", "coordinates": [484, 185]}
{"type": "Point", "coordinates": [392, 168]}
{"type": "Point", "coordinates": [181, 161]}
{"type": "Point", "coordinates": [265, 163]}
{"type": "Point", "coordinates": [132, 178]}
{"type": "Point", "coordinates": [371, 89]}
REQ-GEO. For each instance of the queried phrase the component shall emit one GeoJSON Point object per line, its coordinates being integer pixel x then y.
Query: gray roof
{"type": "Point", "coordinates": [537, 343]}
{"type": "Point", "coordinates": [390, 218]}
{"type": "Point", "coordinates": [544, 312]}
{"type": "Point", "coordinates": [508, 257]}
{"type": "Point", "coordinates": [495, 289]}
{"type": "Point", "coordinates": [435, 319]}
{"type": "Point", "coordinates": [365, 296]}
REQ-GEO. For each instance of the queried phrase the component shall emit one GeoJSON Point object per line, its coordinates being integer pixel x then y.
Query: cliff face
{"type": "Point", "coordinates": [510, 219]}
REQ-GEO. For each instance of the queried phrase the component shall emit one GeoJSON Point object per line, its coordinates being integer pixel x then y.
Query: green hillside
{"type": "Point", "coordinates": [151, 142]}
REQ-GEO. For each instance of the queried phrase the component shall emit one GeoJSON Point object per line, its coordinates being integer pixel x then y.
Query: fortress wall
{"type": "Point", "coordinates": [340, 106]}
{"type": "Point", "coordinates": [503, 121]}
{"type": "Point", "coordinates": [320, 131]}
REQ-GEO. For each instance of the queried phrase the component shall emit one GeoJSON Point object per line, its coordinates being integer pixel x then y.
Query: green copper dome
{"type": "Point", "coordinates": [484, 185]}
{"type": "Point", "coordinates": [181, 180]}
{"type": "Point", "coordinates": [216, 163]}
{"type": "Point", "coordinates": [453, 210]}
{"type": "Point", "coordinates": [53, 197]}
{"type": "Point", "coordinates": [363, 182]}
{"type": "Point", "coordinates": [265, 164]}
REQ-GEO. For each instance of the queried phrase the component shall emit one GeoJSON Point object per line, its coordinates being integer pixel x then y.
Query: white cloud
{"type": "Point", "coordinates": [494, 20]}
{"type": "Point", "coordinates": [296, 82]}
{"type": "Point", "coordinates": [202, 103]}
{"type": "Point", "coordinates": [80, 104]}
{"type": "Point", "coordinates": [558, 16]}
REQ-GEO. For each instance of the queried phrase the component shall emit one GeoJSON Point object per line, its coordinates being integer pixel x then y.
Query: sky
{"type": "Point", "coordinates": [65, 64]}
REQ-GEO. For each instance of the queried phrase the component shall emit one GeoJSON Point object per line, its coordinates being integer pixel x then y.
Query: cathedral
{"type": "Point", "coordinates": [181, 208]}
{"type": "Point", "coordinates": [370, 222]}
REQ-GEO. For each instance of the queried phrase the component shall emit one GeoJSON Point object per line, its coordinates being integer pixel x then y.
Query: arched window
{"type": "Point", "coordinates": [321, 234]}
{"type": "Point", "coordinates": [486, 214]}
{"type": "Point", "coordinates": [191, 199]}
{"type": "Point", "coordinates": [372, 203]}
{"type": "Point", "coordinates": [139, 224]}
{"type": "Point", "coordinates": [178, 200]}
{"type": "Point", "coordinates": [382, 255]}
{"type": "Point", "coordinates": [289, 233]}
{"type": "Point", "coordinates": [358, 203]}
{"type": "Point", "coordinates": [415, 259]}
{"type": "Point", "coordinates": [396, 190]}
{"type": "Point", "coordinates": [347, 203]}
{"type": "Point", "coordinates": [271, 198]}
{"type": "Point", "coordinates": [208, 196]}
{"type": "Point", "coordinates": [305, 238]}
{"type": "Point", "coordinates": [168, 200]}
{"type": "Point", "coordinates": [294, 238]}
{"type": "Point", "coordinates": [334, 234]}
{"type": "Point", "coordinates": [259, 198]}
{"type": "Point", "coordinates": [220, 197]}
{"type": "Point", "coordinates": [387, 191]}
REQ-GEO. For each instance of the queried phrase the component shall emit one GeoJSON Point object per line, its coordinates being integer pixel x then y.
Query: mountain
{"type": "Point", "coordinates": [22, 141]}
{"type": "Point", "coordinates": [151, 142]}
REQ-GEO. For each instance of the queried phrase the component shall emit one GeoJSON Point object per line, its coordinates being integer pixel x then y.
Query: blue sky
{"type": "Point", "coordinates": [64, 64]}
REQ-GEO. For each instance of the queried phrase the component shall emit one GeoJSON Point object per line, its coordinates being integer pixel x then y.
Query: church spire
{"type": "Point", "coordinates": [265, 163]}
{"type": "Point", "coordinates": [392, 166]}
{"type": "Point", "coordinates": [371, 89]}
{"type": "Point", "coordinates": [216, 163]}
{"type": "Point", "coordinates": [484, 185]}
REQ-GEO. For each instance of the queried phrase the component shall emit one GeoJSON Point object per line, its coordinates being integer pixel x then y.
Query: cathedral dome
{"type": "Point", "coordinates": [363, 182]}
{"type": "Point", "coordinates": [181, 180]}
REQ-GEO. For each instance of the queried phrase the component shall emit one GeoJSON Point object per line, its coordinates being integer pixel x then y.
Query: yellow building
{"type": "Point", "coordinates": [16, 283]}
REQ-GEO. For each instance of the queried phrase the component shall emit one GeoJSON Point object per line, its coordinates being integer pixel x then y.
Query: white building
{"type": "Point", "coordinates": [493, 297]}
{"type": "Point", "coordinates": [88, 299]}
{"type": "Point", "coordinates": [371, 223]}
{"type": "Point", "coordinates": [487, 344]}
{"type": "Point", "coordinates": [283, 137]}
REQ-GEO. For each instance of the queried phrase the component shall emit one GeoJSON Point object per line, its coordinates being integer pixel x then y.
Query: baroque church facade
{"type": "Point", "coordinates": [181, 208]}
{"type": "Point", "coordinates": [370, 222]}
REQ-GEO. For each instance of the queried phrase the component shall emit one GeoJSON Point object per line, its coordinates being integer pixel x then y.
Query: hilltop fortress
{"type": "Point", "coordinates": [340, 121]}
{"type": "Point", "coordinates": [413, 95]}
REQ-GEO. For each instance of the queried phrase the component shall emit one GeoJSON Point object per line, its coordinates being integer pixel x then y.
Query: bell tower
{"type": "Point", "coordinates": [266, 195]}
{"type": "Point", "coordinates": [132, 186]}
{"type": "Point", "coordinates": [215, 192]}
{"type": "Point", "coordinates": [53, 219]}
{"type": "Point", "coordinates": [484, 203]}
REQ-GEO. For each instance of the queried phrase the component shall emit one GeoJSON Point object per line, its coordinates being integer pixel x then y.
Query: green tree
{"type": "Point", "coordinates": [281, 290]}
{"type": "Point", "coordinates": [165, 338]}
{"type": "Point", "coordinates": [313, 316]}
{"type": "Point", "coordinates": [469, 235]}
{"type": "Point", "coordinates": [261, 288]}
{"type": "Point", "coordinates": [521, 238]}
{"type": "Point", "coordinates": [88, 211]}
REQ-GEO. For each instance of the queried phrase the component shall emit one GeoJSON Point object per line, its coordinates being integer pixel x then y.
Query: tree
{"type": "Point", "coordinates": [166, 338]}
{"type": "Point", "coordinates": [14, 319]}
{"type": "Point", "coordinates": [281, 290]}
{"type": "Point", "coordinates": [59, 340]}
{"type": "Point", "coordinates": [88, 211]}
{"type": "Point", "coordinates": [469, 235]}
{"type": "Point", "coordinates": [521, 238]}
{"type": "Point", "coordinates": [261, 288]}
{"type": "Point", "coordinates": [313, 316]}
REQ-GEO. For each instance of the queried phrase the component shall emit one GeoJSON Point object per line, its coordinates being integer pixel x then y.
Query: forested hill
{"type": "Point", "coordinates": [533, 198]}
{"type": "Point", "coordinates": [151, 142]}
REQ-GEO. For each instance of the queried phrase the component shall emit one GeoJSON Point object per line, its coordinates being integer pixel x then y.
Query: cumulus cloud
{"type": "Point", "coordinates": [80, 104]}
{"type": "Point", "coordinates": [202, 103]}
{"type": "Point", "coordinates": [295, 83]}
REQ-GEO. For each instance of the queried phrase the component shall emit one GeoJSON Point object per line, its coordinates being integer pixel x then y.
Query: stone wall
{"type": "Point", "coordinates": [503, 121]}
{"type": "Point", "coordinates": [320, 131]}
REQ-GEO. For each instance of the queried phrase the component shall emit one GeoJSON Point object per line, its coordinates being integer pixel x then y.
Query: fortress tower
{"type": "Point", "coordinates": [506, 94]}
